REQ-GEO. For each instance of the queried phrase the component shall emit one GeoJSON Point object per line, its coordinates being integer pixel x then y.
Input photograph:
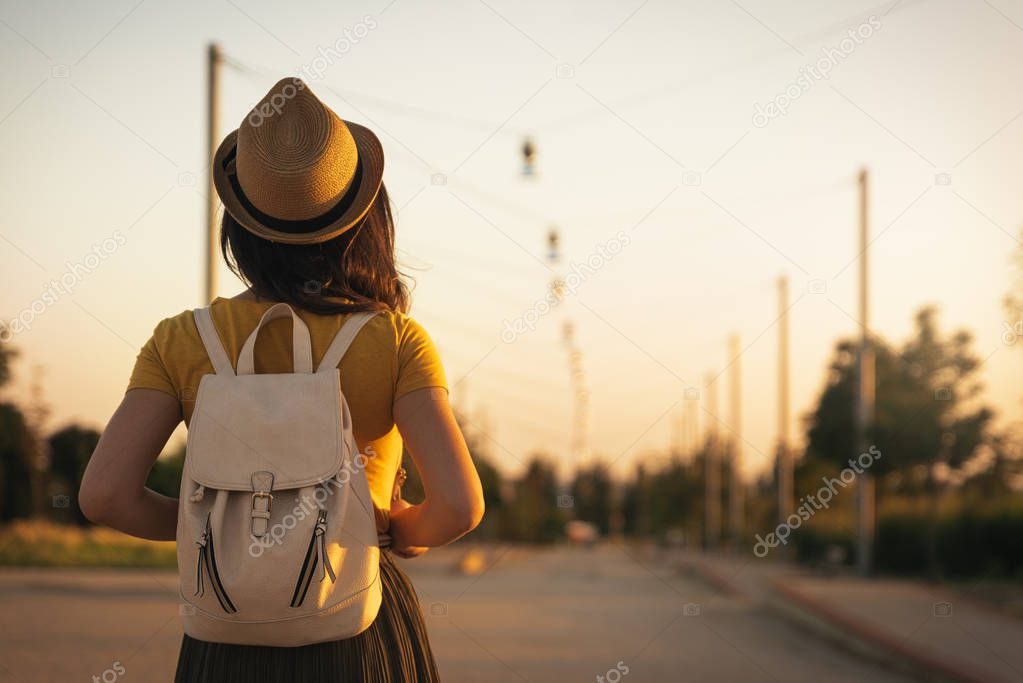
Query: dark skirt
{"type": "Point", "coordinates": [395, 648]}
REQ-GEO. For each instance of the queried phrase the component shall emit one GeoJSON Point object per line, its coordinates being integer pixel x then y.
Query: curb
{"type": "Point", "coordinates": [716, 580]}
{"type": "Point", "coordinates": [841, 628]}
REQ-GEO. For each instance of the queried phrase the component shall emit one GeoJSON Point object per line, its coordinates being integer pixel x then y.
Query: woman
{"type": "Point", "coordinates": [307, 222]}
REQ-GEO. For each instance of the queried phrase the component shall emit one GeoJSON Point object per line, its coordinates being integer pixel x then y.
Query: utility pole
{"type": "Point", "coordinates": [736, 503]}
{"type": "Point", "coordinates": [678, 430]}
{"type": "Point", "coordinates": [580, 445]}
{"type": "Point", "coordinates": [785, 484]}
{"type": "Point", "coordinates": [692, 408]}
{"type": "Point", "coordinates": [712, 469]}
{"type": "Point", "coordinates": [865, 496]}
{"type": "Point", "coordinates": [684, 429]}
{"type": "Point", "coordinates": [461, 404]}
{"type": "Point", "coordinates": [214, 58]}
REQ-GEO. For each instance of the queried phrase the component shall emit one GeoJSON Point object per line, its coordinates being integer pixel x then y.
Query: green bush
{"type": "Point", "coordinates": [901, 544]}
{"type": "Point", "coordinates": [812, 544]}
{"type": "Point", "coordinates": [982, 543]}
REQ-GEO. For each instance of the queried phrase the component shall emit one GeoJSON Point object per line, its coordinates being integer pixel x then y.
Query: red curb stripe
{"type": "Point", "coordinates": [719, 582]}
{"type": "Point", "coordinates": [872, 635]}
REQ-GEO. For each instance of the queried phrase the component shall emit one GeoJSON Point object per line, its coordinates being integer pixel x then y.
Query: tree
{"type": "Point", "coordinates": [924, 412]}
{"type": "Point", "coordinates": [1003, 474]}
{"type": "Point", "coordinates": [831, 427]}
{"type": "Point", "coordinates": [70, 450]}
{"type": "Point", "coordinates": [1014, 298]}
{"type": "Point", "coordinates": [592, 496]}
{"type": "Point", "coordinates": [15, 443]}
{"type": "Point", "coordinates": [635, 504]}
{"type": "Point", "coordinates": [926, 421]}
{"type": "Point", "coordinates": [7, 354]}
{"type": "Point", "coordinates": [15, 479]}
{"type": "Point", "coordinates": [165, 477]}
{"type": "Point", "coordinates": [533, 514]}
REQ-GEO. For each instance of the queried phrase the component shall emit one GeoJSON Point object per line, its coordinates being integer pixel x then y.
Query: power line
{"type": "Point", "coordinates": [455, 119]}
{"type": "Point", "coordinates": [503, 204]}
{"type": "Point", "coordinates": [715, 74]}
{"type": "Point", "coordinates": [403, 108]}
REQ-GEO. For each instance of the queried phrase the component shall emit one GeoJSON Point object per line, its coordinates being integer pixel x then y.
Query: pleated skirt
{"type": "Point", "coordinates": [394, 649]}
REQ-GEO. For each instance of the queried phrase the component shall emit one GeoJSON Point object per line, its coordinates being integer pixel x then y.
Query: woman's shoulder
{"type": "Point", "coordinates": [395, 327]}
{"type": "Point", "coordinates": [400, 322]}
{"type": "Point", "coordinates": [175, 327]}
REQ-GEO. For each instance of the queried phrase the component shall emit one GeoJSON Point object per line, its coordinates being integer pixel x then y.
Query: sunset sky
{"type": "Point", "coordinates": [644, 117]}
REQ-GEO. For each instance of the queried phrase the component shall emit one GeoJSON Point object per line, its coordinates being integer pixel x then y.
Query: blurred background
{"type": "Point", "coordinates": [729, 296]}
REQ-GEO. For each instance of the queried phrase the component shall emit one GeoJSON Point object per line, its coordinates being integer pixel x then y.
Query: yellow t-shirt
{"type": "Point", "coordinates": [391, 356]}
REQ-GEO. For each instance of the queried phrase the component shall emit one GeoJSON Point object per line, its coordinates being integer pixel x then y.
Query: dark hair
{"type": "Point", "coordinates": [354, 271]}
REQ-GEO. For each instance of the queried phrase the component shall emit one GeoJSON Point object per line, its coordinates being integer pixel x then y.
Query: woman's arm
{"type": "Point", "coordinates": [113, 491]}
{"type": "Point", "coordinates": [454, 497]}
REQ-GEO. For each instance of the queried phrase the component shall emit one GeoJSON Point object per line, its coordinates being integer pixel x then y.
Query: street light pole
{"type": "Point", "coordinates": [736, 502]}
{"type": "Point", "coordinates": [214, 58]}
{"type": "Point", "coordinates": [865, 497]}
{"type": "Point", "coordinates": [712, 469]}
{"type": "Point", "coordinates": [785, 484]}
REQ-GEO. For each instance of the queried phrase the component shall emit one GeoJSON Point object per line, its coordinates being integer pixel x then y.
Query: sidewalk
{"type": "Point", "coordinates": [923, 629]}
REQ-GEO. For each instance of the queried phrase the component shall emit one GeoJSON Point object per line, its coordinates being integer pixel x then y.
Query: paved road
{"type": "Point", "coordinates": [536, 615]}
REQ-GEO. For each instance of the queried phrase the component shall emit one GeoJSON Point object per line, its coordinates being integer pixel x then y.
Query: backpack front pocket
{"type": "Point", "coordinates": [315, 555]}
{"type": "Point", "coordinates": [207, 563]}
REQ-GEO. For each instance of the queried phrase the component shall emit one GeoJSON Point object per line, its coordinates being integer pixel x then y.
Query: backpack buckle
{"type": "Point", "coordinates": [263, 494]}
{"type": "Point", "coordinates": [262, 502]}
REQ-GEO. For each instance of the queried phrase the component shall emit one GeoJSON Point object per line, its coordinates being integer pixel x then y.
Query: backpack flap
{"type": "Point", "coordinates": [284, 425]}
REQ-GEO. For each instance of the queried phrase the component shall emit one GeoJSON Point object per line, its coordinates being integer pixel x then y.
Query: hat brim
{"type": "Point", "coordinates": [371, 158]}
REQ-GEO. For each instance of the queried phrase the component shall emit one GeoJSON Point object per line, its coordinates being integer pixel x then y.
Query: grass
{"type": "Point", "coordinates": [33, 543]}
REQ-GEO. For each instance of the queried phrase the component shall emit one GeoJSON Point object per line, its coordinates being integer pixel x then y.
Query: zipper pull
{"type": "Point", "coordinates": [203, 539]}
{"type": "Point", "coordinates": [321, 523]}
{"type": "Point", "coordinates": [199, 589]}
{"type": "Point", "coordinates": [320, 532]}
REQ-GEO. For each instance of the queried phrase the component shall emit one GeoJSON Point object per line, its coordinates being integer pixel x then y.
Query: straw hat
{"type": "Point", "coordinates": [294, 172]}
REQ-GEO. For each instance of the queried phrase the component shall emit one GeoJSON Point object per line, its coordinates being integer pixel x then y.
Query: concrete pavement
{"type": "Point", "coordinates": [555, 614]}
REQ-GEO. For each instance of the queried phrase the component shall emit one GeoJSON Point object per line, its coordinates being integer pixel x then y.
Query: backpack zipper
{"type": "Point", "coordinates": [208, 560]}
{"type": "Point", "coordinates": [315, 554]}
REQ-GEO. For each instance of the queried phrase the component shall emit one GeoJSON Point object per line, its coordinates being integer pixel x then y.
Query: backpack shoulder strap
{"type": "Point", "coordinates": [337, 349]}
{"type": "Point", "coordinates": [211, 340]}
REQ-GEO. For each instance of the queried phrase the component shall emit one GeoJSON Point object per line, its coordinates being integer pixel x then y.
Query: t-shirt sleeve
{"type": "Point", "coordinates": [150, 371]}
{"type": "Point", "coordinates": [419, 363]}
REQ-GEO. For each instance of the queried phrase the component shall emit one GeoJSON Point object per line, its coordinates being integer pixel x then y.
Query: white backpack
{"type": "Point", "coordinates": [276, 541]}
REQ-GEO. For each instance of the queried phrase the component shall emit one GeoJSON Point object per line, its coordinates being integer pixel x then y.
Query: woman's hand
{"type": "Point", "coordinates": [396, 546]}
